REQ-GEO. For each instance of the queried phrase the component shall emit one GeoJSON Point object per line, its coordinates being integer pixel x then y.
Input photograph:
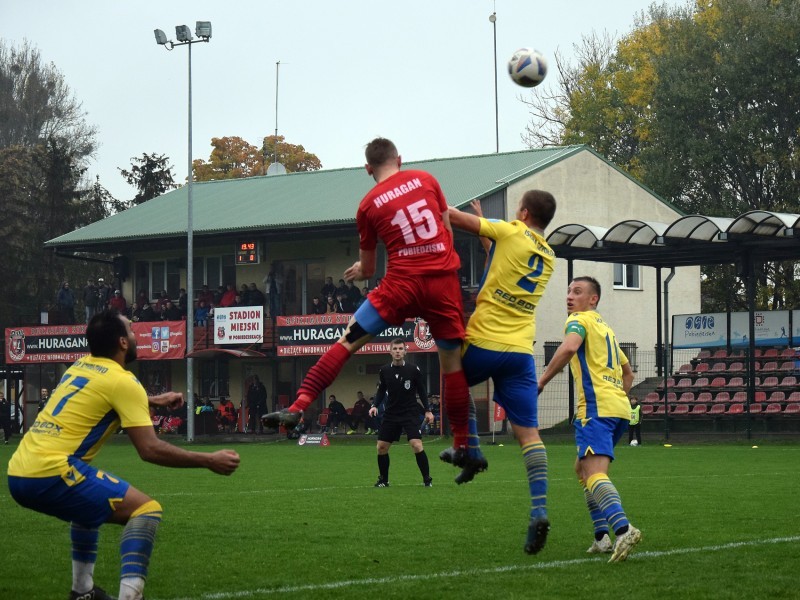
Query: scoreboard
{"type": "Point", "coordinates": [247, 253]}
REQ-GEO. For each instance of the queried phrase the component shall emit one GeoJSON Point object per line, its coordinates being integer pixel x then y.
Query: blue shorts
{"type": "Point", "coordinates": [598, 435]}
{"type": "Point", "coordinates": [84, 495]}
{"type": "Point", "coordinates": [514, 377]}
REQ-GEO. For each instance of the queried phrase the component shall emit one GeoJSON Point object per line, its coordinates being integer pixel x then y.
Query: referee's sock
{"type": "Point", "coordinates": [535, 457]}
{"type": "Point", "coordinates": [320, 376]}
{"type": "Point", "coordinates": [423, 464]}
{"type": "Point", "coordinates": [383, 466]}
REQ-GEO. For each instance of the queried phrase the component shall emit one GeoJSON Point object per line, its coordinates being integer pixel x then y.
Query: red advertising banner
{"type": "Point", "coordinates": [67, 343]}
{"type": "Point", "coordinates": [313, 335]}
{"type": "Point", "coordinates": [499, 413]}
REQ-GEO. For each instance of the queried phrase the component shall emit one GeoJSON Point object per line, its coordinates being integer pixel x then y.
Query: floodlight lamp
{"type": "Point", "coordinates": [183, 33]}
{"type": "Point", "coordinates": [203, 30]}
{"type": "Point", "coordinates": [161, 37]}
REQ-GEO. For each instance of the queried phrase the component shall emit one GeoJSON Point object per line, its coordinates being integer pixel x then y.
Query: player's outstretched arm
{"type": "Point", "coordinates": [627, 377]}
{"type": "Point", "coordinates": [170, 400]}
{"type": "Point", "coordinates": [463, 221]}
{"type": "Point", "coordinates": [154, 450]}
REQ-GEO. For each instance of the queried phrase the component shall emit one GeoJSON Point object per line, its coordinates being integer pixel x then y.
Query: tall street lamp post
{"type": "Point", "coordinates": [184, 36]}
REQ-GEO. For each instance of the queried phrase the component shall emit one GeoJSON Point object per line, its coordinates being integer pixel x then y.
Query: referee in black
{"type": "Point", "coordinates": [401, 384]}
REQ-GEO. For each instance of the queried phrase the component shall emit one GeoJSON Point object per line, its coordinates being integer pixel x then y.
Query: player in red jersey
{"type": "Point", "coordinates": [408, 212]}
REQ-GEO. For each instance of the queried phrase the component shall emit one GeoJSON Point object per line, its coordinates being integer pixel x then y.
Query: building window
{"type": "Point", "coordinates": [156, 275]}
{"type": "Point", "coordinates": [214, 271]}
{"type": "Point", "coordinates": [473, 260]}
{"type": "Point", "coordinates": [214, 378]}
{"type": "Point", "coordinates": [627, 277]}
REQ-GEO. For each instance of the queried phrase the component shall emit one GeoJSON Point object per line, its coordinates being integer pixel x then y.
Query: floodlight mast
{"type": "Point", "coordinates": [184, 36]}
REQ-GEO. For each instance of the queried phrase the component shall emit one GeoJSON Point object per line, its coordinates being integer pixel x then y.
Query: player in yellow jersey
{"type": "Point", "coordinates": [50, 471]}
{"type": "Point", "coordinates": [501, 331]}
{"type": "Point", "coordinates": [603, 379]}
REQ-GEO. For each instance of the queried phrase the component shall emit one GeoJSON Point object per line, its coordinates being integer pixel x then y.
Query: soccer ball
{"type": "Point", "coordinates": [527, 67]}
{"type": "Point", "coordinates": [634, 443]}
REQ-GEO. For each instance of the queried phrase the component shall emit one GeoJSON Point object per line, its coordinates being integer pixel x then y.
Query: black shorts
{"type": "Point", "coordinates": [391, 430]}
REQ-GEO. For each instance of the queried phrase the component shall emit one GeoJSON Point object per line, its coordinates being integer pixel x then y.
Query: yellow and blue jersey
{"type": "Point", "coordinates": [519, 266]}
{"type": "Point", "coordinates": [597, 368]}
{"type": "Point", "coordinates": [94, 397]}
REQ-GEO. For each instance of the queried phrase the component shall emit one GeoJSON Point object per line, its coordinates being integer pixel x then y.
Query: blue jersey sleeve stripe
{"type": "Point", "coordinates": [95, 434]}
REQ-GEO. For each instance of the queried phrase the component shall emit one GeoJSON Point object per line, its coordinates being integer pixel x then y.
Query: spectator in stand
{"type": "Point", "coordinates": [317, 307]}
{"type": "Point", "coordinates": [273, 286]}
{"type": "Point", "coordinates": [360, 414]}
{"type": "Point", "coordinates": [363, 297]}
{"type": "Point", "coordinates": [255, 296]}
{"type": "Point", "coordinates": [5, 417]}
{"type": "Point", "coordinates": [118, 302]}
{"type": "Point", "coordinates": [161, 301]}
{"type": "Point", "coordinates": [345, 305]}
{"type": "Point", "coordinates": [338, 414]}
{"type": "Point", "coordinates": [44, 396]}
{"type": "Point", "coordinates": [331, 306]}
{"type": "Point", "coordinates": [104, 293]}
{"type": "Point", "coordinates": [206, 295]}
{"type": "Point", "coordinates": [229, 297]}
{"type": "Point", "coordinates": [341, 288]}
{"type": "Point", "coordinates": [201, 314]}
{"type": "Point", "coordinates": [218, 296]}
{"type": "Point", "coordinates": [244, 293]}
{"type": "Point", "coordinates": [183, 302]}
{"type": "Point", "coordinates": [147, 314]}
{"type": "Point", "coordinates": [170, 312]}
{"type": "Point", "coordinates": [328, 289]}
{"type": "Point", "coordinates": [135, 312]}
{"type": "Point", "coordinates": [226, 412]}
{"type": "Point", "coordinates": [353, 293]}
{"type": "Point", "coordinates": [141, 298]}
{"type": "Point", "coordinates": [66, 303]}
{"type": "Point", "coordinates": [89, 299]}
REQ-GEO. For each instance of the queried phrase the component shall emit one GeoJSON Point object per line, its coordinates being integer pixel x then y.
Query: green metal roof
{"type": "Point", "coordinates": [301, 200]}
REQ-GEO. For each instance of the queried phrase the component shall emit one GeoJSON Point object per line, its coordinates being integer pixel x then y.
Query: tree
{"type": "Point", "coordinates": [37, 105]}
{"type": "Point", "coordinates": [700, 103]}
{"type": "Point", "coordinates": [151, 175]}
{"type": "Point", "coordinates": [294, 157]}
{"type": "Point", "coordinates": [231, 158]}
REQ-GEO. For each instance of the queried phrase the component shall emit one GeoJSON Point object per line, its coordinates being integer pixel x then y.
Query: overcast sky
{"type": "Point", "coordinates": [418, 72]}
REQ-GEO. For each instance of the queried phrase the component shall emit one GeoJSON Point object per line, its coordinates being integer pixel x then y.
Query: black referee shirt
{"type": "Point", "coordinates": [401, 385]}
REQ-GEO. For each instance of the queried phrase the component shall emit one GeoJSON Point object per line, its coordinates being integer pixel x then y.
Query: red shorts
{"type": "Point", "coordinates": [435, 298]}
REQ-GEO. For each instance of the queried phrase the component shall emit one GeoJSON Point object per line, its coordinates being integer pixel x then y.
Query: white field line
{"type": "Point", "coordinates": [335, 585]}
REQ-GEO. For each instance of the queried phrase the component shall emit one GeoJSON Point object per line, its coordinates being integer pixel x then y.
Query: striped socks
{"type": "Point", "coordinates": [608, 501]}
{"type": "Point", "coordinates": [135, 549]}
{"type": "Point", "coordinates": [84, 555]}
{"type": "Point", "coordinates": [535, 457]}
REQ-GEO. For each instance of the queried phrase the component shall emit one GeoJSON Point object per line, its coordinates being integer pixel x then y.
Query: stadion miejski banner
{"type": "Point", "coordinates": [310, 335]}
{"type": "Point", "coordinates": [239, 325]}
{"type": "Point", "coordinates": [710, 330]}
{"type": "Point", "coordinates": [67, 343]}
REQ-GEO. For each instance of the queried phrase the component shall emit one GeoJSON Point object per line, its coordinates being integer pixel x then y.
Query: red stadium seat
{"type": "Point", "coordinates": [722, 353]}
{"type": "Point", "coordinates": [659, 409]}
{"type": "Point", "coordinates": [788, 366]}
{"type": "Point", "coordinates": [788, 353]}
{"type": "Point", "coordinates": [717, 409]}
{"type": "Point", "coordinates": [790, 381]}
{"type": "Point", "coordinates": [647, 409]}
{"type": "Point", "coordinates": [680, 409]}
{"type": "Point", "coordinates": [770, 382]}
{"type": "Point", "coordinates": [686, 397]}
{"type": "Point", "coordinates": [736, 409]}
{"type": "Point", "coordinates": [770, 366]}
{"type": "Point", "coordinates": [772, 408]}
{"type": "Point", "coordinates": [684, 383]}
{"type": "Point", "coordinates": [672, 397]}
{"type": "Point", "coordinates": [670, 383]}
{"type": "Point", "coordinates": [652, 398]}
{"type": "Point", "coordinates": [792, 409]}
{"type": "Point", "coordinates": [777, 397]}
{"type": "Point", "coordinates": [723, 397]}
{"type": "Point", "coordinates": [761, 396]}
{"type": "Point", "coordinates": [704, 397]}
{"type": "Point", "coordinates": [736, 367]}
{"type": "Point", "coordinates": [736, 382]}
{"type": "Point", "coordinates": [739, 397]}
{"type": "Point", "coordinates": [718, 382]}
{"type": "Point", "coordinates": [755, 408]}
{"type": "Point", "coordinates": [704, 354]}
{"type": "Point", "coordinates": [794, 397]}
{"type": "Point", "coordinates": [685, 369]}
{"type": "Point", "coordinates": [699, 409]}
{"type": "Point", "coordinates": [702, 382]}
{"type": "Point", "coordinates": [770, 353]}
{"type": "Point", "coordinates": [702, 367]}
{"type": "Point", "coordinates": [718, 367]}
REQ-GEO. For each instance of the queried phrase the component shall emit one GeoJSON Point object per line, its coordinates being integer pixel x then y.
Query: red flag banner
{"type": "Point", "coordinates": [499, 413]}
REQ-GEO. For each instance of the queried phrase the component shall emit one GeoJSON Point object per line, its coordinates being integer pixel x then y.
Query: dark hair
{"type": "Point", "coordinates": [103, 333]}
{"type": "Point", "coordinates": [398, 341]}
{"type": "Point", "coordinates": [593, 281]}
{"type": "Point", "coordinates": [540, 205]}
{"type": "Point", "coordinates": [379, 151]}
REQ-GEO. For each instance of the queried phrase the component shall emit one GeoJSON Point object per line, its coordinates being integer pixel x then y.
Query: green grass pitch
{"type": "Point", "coordinates": [719, 521]}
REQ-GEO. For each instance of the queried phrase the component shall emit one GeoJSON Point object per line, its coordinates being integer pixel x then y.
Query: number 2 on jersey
{"type": "Point", "coordinates": [423, 221]}
{"type": "Point", "coordinates": [77, 382]}
{"type": "Point", "coordinates": [527, 282]}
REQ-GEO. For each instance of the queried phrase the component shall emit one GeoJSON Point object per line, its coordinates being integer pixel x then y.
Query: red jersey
{"type": "Point", "coordinates": [405, 212]}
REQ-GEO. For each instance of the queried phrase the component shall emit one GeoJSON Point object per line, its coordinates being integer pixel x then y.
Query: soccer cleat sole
{"type": "Point", "coordinates": [472, 466]}
{"type": "Point", "coordinates": [537, 535]}
{"type": "Point", "coordinates": [283, 417]}
{"type": "Point", "coordinates": [625, 544]}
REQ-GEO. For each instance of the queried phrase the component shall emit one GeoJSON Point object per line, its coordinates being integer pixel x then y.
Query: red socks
{"type": "Point", "coordinates": [320, 376]}
{"type": "Point", "coordinates": [456, 402]}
